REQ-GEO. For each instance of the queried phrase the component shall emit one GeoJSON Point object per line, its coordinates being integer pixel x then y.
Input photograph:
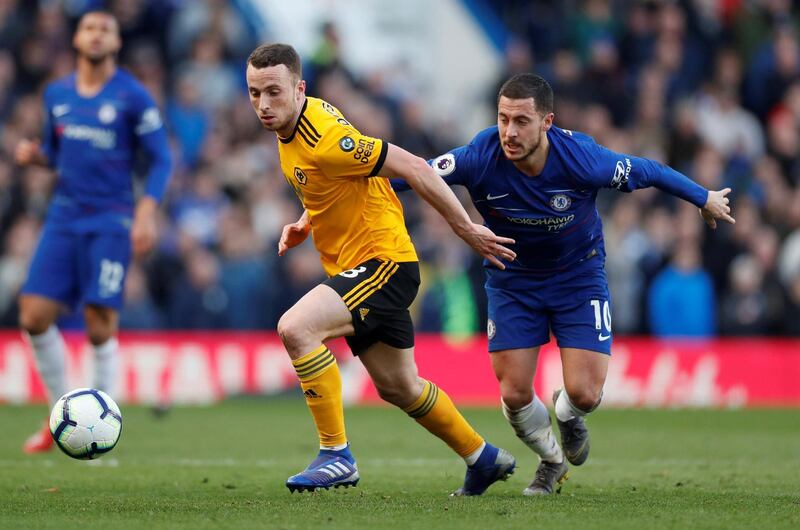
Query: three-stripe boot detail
{"type": "Point", "coordinates": [330, 468]}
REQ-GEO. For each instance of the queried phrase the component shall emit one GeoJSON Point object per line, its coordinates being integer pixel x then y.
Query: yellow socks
{"type": "Point", "coordinates": [322, 386]}
{"type": "Point", "coordinates": [434, 410]}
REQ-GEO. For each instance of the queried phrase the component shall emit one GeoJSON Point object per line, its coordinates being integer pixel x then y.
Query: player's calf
{"type": "Point", "coordinates": [574, 435]}
{"type": "Point", "coordinates": [532, 425]}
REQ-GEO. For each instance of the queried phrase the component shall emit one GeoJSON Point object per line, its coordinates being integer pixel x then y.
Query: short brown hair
{"type": "Point", "coordinates": [274, 54]}
{"type": "Point", "coordinates": [524, 86]}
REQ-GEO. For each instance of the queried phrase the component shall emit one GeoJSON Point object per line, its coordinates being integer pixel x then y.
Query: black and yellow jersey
{"type": "Point", "coordinates": [354, 218]}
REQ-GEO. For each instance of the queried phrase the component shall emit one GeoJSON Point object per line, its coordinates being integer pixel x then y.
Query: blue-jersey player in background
{"type": "Point", "coordinates": [537, 184]}
{"type": "Point", "coordinates": [96, 120]}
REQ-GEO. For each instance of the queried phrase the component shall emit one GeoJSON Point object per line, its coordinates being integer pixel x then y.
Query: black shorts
{"type": "Point", "coordinates": [378, 293]}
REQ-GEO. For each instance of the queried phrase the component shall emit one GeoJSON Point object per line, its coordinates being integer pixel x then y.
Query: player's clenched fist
{"type": "Point", "coordinates": [28, 152]}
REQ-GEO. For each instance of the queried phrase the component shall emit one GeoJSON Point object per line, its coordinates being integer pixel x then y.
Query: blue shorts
{"type": "Point", "coordinates": [79, 268]}
{"type": "Point", "coordinates": [575, 305]}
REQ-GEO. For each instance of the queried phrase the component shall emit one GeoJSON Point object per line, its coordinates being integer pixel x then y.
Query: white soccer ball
{"type": "Point", "coordinates": [86, 423]}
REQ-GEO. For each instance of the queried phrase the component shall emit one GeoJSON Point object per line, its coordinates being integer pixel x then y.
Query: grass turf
{"type": "Point", "coordinates": [225, 466]}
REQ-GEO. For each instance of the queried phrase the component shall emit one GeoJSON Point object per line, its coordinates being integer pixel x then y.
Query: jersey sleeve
{"type": "Point", "coordinates": [152, 135]}
{"type": "Point", "coordinates": [345, 153]}
{"type": "Point", "coordinates": [455, 167]}
{"type": "Point", "coordinates": [49, 137]}
{"type": "Point", "coordinates": [600, 167]}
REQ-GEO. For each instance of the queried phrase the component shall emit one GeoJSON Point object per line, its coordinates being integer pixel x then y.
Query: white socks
{"type": "Point", "coordinates": [471, 458]}
{"type": "Point", "coordinates": [106, 365]}
{"type": "Point", "coordinates": [565, 410]}
{"type": "Point", "coordinates": [532, 425]}
{"type": "Point", "coordinates": [48, 348]}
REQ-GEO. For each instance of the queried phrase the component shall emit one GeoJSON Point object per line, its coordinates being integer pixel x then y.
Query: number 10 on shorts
{"type": "Point", "coordinates": [601, 316]}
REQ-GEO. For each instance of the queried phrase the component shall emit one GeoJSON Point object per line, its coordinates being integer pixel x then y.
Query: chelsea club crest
{"type": "Point", "coordinates": [560, 202]}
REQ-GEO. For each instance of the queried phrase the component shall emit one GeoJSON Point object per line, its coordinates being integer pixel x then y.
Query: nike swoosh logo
{"type": "Point", "coordinates": [602, 337]}
{"type": "Point", "coordinates": [490, 198]}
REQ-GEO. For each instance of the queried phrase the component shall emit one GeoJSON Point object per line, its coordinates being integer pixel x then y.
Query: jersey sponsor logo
{"type": "Point", "coordinates": [491, 329]}
{"type": "Point", "coordinates": [364, 150]}
{"type": "Point", "coordinates": [300, 176]}
{"type": "Point", "coordinates": [560, 202]}
{"type": "Point", "coordinates": [621, 172]}
{"type": "Point", "coordinates": [347, 144]}
{"type": "Point", "coordinates": [552, 224]}
{"type": "Point", "coordinates": [60, 110]}
{"type": "Point", "coordinates": [444, 165]}
{"type": "Point", "coordinates": [99, 137]}
{"type": "Point", "coordinates": [107, 113]}
{"type": "Point", "coordinates": [151, 121]}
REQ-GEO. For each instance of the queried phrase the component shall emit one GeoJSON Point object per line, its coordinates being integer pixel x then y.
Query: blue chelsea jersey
{"type": "Point", "coordinates": [92, 143]}
{"type": "Point", "coordinates": [552, 216]}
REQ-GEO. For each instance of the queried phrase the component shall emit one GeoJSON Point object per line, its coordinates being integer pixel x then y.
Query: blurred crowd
{"type": "Point", "coordinates": [711, 88]}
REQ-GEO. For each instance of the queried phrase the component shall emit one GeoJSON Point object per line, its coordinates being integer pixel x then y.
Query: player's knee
{"type": "Point", "coordinates": [585, 399]}
{"type": "Point", "coordinates": [293, 332]}
{"type": "Point", "coordinates": [400, 391]}
{"type": "Point", "coordinates": [99, 335]}
{"type": "Point", "coordinates": [517, 397]}
{"type": "Point", "coordinates": [34, 322]}
{"type": "Point", "coordinates": [101, 325]}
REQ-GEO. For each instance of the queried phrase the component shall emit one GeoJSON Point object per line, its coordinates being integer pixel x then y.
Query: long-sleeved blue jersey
{"type": "Point", "coordinates": [92, 143]}
{"type": "Point", "coordinates": [552, 216]}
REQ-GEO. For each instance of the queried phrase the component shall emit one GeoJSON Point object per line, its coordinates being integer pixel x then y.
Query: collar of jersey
{"type": "Point", "coordinates": [296, 124]}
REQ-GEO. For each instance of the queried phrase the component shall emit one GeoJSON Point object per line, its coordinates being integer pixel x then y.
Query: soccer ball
{"type": "Point", "coordinates": [86, 423]}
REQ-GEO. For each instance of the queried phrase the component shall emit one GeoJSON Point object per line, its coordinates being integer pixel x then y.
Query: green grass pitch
{"type": "Point", "coordinates": [224, 467]}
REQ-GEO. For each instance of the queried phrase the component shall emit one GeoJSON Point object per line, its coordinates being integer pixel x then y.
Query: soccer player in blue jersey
{"type": "Point", "coordinates": [96, 119]}
{"type": "Point", "coordinates": [537, 184]}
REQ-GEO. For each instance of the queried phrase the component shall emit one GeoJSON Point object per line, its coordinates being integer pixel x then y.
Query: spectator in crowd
{"type": "Point", "coordinates": [681, 298]}
{"type": "Point", "coordinates": [713, 92]}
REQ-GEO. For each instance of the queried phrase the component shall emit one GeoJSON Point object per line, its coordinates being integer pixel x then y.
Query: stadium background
{"type": "Point", "coordinates": [710, 87]}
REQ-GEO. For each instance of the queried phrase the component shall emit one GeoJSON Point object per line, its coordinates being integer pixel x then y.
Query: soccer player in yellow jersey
{"type": "Point", "coordinates": [357, 225]}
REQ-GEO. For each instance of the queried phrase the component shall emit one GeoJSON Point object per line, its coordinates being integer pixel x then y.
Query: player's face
{"type": "Point", "coordinates": [521, 127]}
{"type": "Point", "coordinates": [276, 95]}
{"type": "Point", "coordinates": [97, 37]}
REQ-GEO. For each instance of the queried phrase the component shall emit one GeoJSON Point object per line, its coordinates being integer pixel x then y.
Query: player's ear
{"type": "Point", "coordinates": [118, 43]}
{"type": "Point", "coordinates": [301, 87]}
{"type": "Point", "coordinates": [547, 122]}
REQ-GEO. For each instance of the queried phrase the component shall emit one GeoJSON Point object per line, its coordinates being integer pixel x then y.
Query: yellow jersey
{"type": "Point", "coordinates": [354, 218]}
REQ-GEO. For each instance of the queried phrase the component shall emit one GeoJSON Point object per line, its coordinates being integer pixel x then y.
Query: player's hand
{"type": "Point", "coordinates": [489, 245]}
{"type": "Point", "coordinates": [28, 152]}
{"type": "Point", "coordinates": [293, 234]}
{"type": "Point", "coordinates": [717, 207]}
{"type": "Point", "coordinates": [143, 230]}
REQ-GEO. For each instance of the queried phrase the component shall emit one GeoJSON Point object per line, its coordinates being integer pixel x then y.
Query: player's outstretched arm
{"type": "Point", "coordinates": [295, 233]}
{"type": "Point", "coordinates": [423, 179]}
{"type": "Point", "coordinates": [717, 207]}
{"type": "Point", "coordinates": [628, 173]}
{"type": "Point", "coordinates": [30, 152]}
